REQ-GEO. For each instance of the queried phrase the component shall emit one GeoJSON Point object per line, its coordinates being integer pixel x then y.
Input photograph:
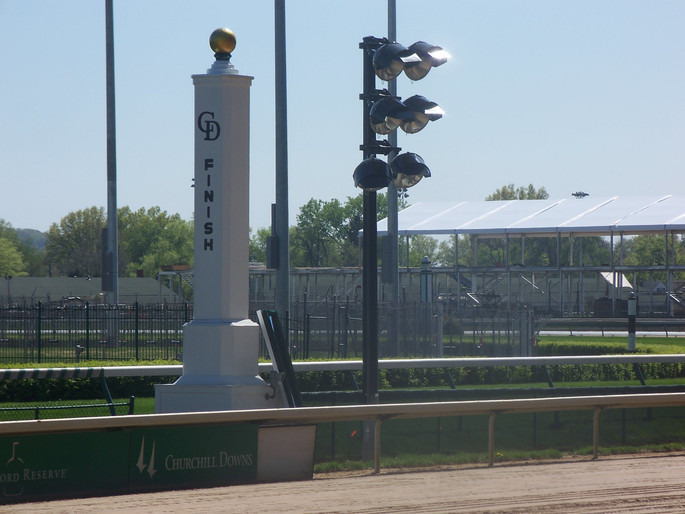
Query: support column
{"type": "Point", "coordinates": [220, 344]}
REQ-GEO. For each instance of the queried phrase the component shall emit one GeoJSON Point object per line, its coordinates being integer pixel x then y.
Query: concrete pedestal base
{"type": "Point", "coordinates": [202, 398]}
{"type": "Point", "coordinates": [220, 370]}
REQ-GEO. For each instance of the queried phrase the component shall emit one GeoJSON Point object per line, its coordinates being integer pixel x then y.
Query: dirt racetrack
{"type": "Point", "coordinates": [636, 483]}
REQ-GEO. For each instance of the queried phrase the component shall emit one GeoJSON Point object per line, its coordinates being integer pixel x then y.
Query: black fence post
{"type": "Point", "coordinates": [331, 325]}
{"type": "Point", "coordinates": [39, 328]}
{"type": "Point", "coordinates": [87, 330]}
{"type": "Point", "coordinates": [307, 334]}
{"type": "Point", "coordinates": [136, 337]}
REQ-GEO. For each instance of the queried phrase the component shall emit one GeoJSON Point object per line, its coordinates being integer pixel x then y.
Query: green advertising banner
{"type": "Point", "coordinates": [61, 464]}
{"type": "Point", "coordinates": [85, 463]}
{"type": "Point", "coordinates": [162, 458]}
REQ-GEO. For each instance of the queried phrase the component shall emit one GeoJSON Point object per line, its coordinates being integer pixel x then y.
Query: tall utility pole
{"type": "Point", "coordinates": [369, 255]}
{"type": "Point", "coordinates": [393, 264]}
{"type": "Point", "coordinates": [281, 211]}
{"type": "Point", "coordinates": [110, 278]}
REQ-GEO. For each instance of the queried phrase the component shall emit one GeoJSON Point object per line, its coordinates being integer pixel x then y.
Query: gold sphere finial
{"type": "Point", "coordinates": [222, 41]}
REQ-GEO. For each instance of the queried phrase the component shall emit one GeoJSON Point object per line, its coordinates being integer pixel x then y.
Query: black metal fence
{"type": "Point", "coordinates": [74, 332]}
{"type": "Point", "coordinates": [328, 328]}
{"type": "Point", "coordinates": [332, 328]}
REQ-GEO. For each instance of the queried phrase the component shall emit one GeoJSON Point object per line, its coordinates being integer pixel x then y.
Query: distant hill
{"type": "Point", "coordinates": [33, 237]}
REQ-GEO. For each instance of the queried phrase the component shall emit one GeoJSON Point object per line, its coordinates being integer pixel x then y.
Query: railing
{"type": "Point", "coordinates": [377, 413]}
{"type": "Point", "coordinates": [391, 411]}
{"type": "Point", "coordinates": [37, 409]}
{"type": "Point", "coordinates": [664, 327]}
{"type": "Point", "coordinates": [345, 365]}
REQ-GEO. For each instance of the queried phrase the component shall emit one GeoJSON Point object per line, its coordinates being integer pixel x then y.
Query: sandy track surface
{"type": "Point", "coordinates": [647, 483]}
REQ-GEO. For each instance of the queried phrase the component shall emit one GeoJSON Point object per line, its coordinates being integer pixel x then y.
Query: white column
{"type": "Point", "coordinates": [221, 344]}
{"type": "Point", "coordinates": [222, 142]}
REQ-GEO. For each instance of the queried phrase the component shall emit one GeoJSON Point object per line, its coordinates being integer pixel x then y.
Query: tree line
{"type": "Point", "coordinates": [148, 239]}
{"type": "Point", "coordinates": [326, 235]}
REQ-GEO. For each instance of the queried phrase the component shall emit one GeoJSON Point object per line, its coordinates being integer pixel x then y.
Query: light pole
{"type": "Point", "coordinates": [110, 276]}
{"type": "Point", "coordinates": [391, 270]}
{"type": "Point", "coordinates": [280, 222]}
{"type": "Point", "coordinates": [382, 114]}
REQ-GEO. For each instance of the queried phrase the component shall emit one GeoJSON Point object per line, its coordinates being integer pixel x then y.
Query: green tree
{"type": "Point", "coordinates": [510, 192]}
{"type": "Point", "coordinates": [644, 250]}
{"type": "Point", "coordinates": [445, 254]}
{"type": "Point", "coordinates": [138, 230]}
{"type": "Point", "coordinates": [74, 246]}
{"type": "Point", "coordinates": [9, 233]}
{"type": "Point", "coordinates": [297, 256]}
{"type": "Point", "coordinates": [314, 234]}
{"type": "Point", "coordinates": [11, 261]}
{"type": "Point", "coordinates": [354, 215]}
{"type": "Point", "coordinates": [258, 244]}
{"type": "Point", "coordinates": [31, 255]}
{"type": "Point", "coordinates": [420, 246]}
{"type": "Point", "coordinates": [150, 239]}
{"type": "Point", "coordinates": [174, 247]}
{"type": "Point", "coordinates": [327, 233]}
{"type": "Point", "coordinates": [650, 250]}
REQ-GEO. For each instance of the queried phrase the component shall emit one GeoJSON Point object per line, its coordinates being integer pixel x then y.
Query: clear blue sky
{"type": "Point", "coordinates": [585, 95]}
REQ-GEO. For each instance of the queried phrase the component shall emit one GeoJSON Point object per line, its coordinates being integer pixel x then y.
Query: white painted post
{"type": "Point", "coordinates": [220, 344]}
{"type": "Point", "coordinates": [632, 315]}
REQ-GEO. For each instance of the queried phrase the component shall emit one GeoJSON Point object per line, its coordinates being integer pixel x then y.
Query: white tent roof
{"type": "Point", "coordinates": [597, 216]}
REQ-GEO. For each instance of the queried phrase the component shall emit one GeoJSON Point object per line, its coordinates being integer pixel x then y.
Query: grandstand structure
{"type": "Point", "coordinates": [564, 284]}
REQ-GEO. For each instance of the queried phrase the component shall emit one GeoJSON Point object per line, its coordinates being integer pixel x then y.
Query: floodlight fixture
{"type": "Point", "coordinates": [387, 114]}
{"type": "Point", "coordinates": [430, 56]}
{"type": "Point", "coordinates": [407, 169]}
{"type": "Point", "coordinates": [372, 174]}
{"type": "Point", "coordinates": [423, 111]}
{"type": "Point", "coordinates": [391, 58]}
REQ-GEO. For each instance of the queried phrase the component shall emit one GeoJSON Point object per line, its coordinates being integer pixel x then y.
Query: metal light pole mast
{"type": "Point", "coordinates": [382, 114]}
{"type": "Point", "coordinates": [393, 265]}
{"type": "Point", "coordinates": [369, 257]}
{"type": "Point", "coordinates": [111, 254]}
{"type": "Point", "coordinates": [281, 216]}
